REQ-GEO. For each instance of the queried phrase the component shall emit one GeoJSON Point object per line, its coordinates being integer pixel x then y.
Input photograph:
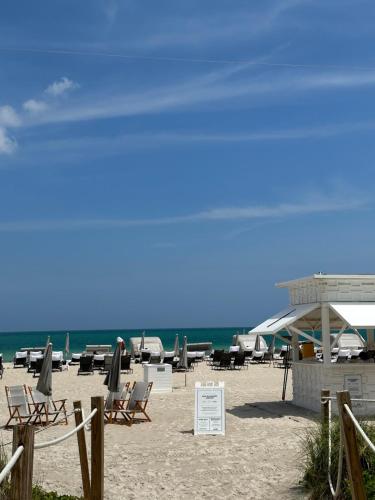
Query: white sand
{"type": "Point", "coordinates": [259, 457]}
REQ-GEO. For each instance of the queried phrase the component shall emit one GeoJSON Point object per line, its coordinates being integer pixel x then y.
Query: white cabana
{"type": "Point", "coordinates": [328, 304]}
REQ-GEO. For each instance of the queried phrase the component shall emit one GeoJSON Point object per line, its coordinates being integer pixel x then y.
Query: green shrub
{"type": "Point", "coordinates": [315, 454]}
{"type": "Point", "coordinates": [38, 492]}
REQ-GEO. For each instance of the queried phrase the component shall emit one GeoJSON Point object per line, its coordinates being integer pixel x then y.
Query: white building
{"type": "Point", "coordinates": [324, 303]}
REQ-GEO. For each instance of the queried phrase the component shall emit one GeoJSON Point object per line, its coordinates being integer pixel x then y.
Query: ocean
{"type": "Point", "coordinates": [10, 342]}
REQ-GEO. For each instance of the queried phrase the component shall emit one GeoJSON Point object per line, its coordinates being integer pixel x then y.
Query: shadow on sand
{"type": "Point", "coordinates": [272, 409]}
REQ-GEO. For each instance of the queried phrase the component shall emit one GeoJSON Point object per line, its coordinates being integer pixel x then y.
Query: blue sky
{"type": "Point", "coordinates": [165, 163]}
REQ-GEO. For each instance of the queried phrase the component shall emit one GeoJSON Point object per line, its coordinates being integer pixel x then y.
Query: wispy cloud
{"type": "Point", "coordinates": [7, 143]}
{"type": "Point", "coordinates": [207, 89]}
{"type": "Point", "coordinates": [216, 26]}
{"type": "Point", "coordinates": [61, 86]}
{"type": "Point", "coordinates": [72, 149]}
{"type": "Point", "coordinates": [34, 106]}
{"type": "Point", "coordinates": [227, 214]}
{"type": "Point", "coordinates": [9, 117]}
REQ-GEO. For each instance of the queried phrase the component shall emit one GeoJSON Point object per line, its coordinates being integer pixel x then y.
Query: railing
{"type": "Point", "coordinates": [12, 462]}
{"type": "Point", "coordinates": [67, 435]}
{"type": "Point", "coordinates": [348, 441]}
{"type": "Point", "coordinates": [21, 462]}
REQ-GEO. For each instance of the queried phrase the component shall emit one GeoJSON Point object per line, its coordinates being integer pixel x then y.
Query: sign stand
{"type": "Point", "coordinates": [209, 408]}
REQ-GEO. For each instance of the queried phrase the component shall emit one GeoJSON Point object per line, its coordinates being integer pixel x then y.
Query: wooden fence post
{"type": "Point", "coordinates": [352, 459]}
{"type": "Point", "coordinates": [82, 448]}
{"type": "Point", "coordinates": [97, 449]}
{"type": "Point", "coordinates": [324, 393]}
{"type": "Point", "coordinates": [22, 473]}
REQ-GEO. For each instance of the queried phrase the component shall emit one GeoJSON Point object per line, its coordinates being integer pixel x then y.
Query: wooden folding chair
{"type": "Point", "coordinates": [115, 404]}
{"type": "Point", "coordinates": [136, 407]}
{"type": "Point", "coordinates": [49, 409]}
{"type": "Point", "coordinates": [20, 409]}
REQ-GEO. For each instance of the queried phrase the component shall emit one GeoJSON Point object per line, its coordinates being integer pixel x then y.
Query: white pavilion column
{"type": "Point", "coordinates": [370, 338]}
{"type": "Point", "coordinates": [295, 346]}
{"type": "Point", "coordinates": [326, 335]}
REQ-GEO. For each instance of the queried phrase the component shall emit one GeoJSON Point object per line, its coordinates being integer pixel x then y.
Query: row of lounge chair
{"type": "Point", "coordinates": [33, 361]}
{"type": "Point", "coordinates": [88, 363]}
{"type": "Point", "coordinates": [236, 360]}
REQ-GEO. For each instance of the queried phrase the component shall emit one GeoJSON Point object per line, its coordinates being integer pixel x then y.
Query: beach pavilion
{"type": "Point", "coordinates": [327, 304]}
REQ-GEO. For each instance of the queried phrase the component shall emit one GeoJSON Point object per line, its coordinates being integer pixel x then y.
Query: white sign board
{"type": "Point", "coordinates": [209, 408]}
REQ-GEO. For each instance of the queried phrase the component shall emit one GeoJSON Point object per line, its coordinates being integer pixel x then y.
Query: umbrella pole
{"type": "Point", "coordinates": [185, 379]}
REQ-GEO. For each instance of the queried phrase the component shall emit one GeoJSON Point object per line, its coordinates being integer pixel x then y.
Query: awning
{"type": "Point", "coordinates": [357, 315]}
{"type": "Point", "coordinates": [284, 318]}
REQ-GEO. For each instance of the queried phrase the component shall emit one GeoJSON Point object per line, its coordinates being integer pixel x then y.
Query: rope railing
{"type": "Point", "coordinates": [333, 398]}
{"type": "Point", "coordinates": [335, 491]}
{"type": "Point", "coordinates": [359, 428]}
{"type": "Point", "coordinates": [58, 440]}
{"type": "Point", "coordinates": [12, 462]}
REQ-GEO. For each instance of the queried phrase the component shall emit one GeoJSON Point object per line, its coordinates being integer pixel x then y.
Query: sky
{"type": "Point", "coordinates": [164, 164]}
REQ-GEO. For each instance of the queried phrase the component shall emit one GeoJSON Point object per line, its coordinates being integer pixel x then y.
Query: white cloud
{"type": "Point", "coordinates": [61, 86]}
{"type": "Point", "coordinates": [227, 214]}
{"type": "Point", "coordinates": [228, 85]}
{"type": "Point", "coordinates": [7, 144]}
{"type": "Point", "coordinates": [34, 106]}
{"type": "Point", "coordinates": [9, 117]}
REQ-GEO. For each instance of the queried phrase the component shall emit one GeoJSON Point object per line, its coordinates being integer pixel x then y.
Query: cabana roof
{"type": "Point", "coordinates": [350, 300]}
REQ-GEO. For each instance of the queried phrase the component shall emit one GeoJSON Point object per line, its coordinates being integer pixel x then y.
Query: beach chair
{"type": "Point", "coordinates": [19, 407]}
{"type": "Point", "coordinates": [86, 365]}
{"type": "Point", "coordinates": [115, 404]}
{"type": "Point", "coordinates": [38, 365]}
{"type": "Point", "coordinates": [57, 360]}
{"type": "Point", "coordinates": [107, 363]}
{"type": "Point", "coordinates": [239, 361]}
{"type": "Point", "coordinates": [225, 362]}
{"type": "Point", "coordinates": [20, 360]}
{"type": "Point", "coordinates": [215, 360]}
{"type": "Point", "coordinates": [98, 363]}
{"type": "Point", "coordinates": [168, 357]}
{"type": "Point", "coordinates": [136, 407]}
{"type": "Point", "coordinates": [125, 364]}
{"type": "Point", "coordinates": [48, 409]}
{"type": "Point", "coordinates": [145, 356]}
{"type": "Point", "coordinates": [75, 358]}
{"type": "Point", "coordinates": [32, 360]}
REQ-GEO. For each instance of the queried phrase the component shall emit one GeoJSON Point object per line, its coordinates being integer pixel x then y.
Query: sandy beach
{"type": "Point", "coordinates": [259, 457]}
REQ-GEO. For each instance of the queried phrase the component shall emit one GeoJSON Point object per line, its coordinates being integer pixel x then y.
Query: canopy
{"type": "Point", "coordinates": [357, 314]}
{"type": "Point", "coordinates": [283, 319]}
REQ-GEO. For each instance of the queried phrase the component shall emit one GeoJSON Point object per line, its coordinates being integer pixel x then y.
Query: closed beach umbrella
{"type": "Point", "coordinates": [112, 379]}
{"type": "Point", "coordinates": [44, 384]}
{"type": "Point", "coordinates": [271, 347]}
{"type": "Point", "coordinates": [235, 339]}
{"type": "Point", "coordinates": [257, 343]}
{"type": "Point", "coordinates": [67, 344]}
{"type": "Point", "coordinates": [183, 362]}
{"type": "Point", "coordinates": [142, 346]}
{"type": "Point", "coordinates": [47, 343]}
{"type": "Point", "coordinates": [176, 346]}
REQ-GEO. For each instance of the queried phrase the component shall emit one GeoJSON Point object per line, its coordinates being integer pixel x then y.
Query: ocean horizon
{"type": "Point", "coordinates": [10, 342]}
